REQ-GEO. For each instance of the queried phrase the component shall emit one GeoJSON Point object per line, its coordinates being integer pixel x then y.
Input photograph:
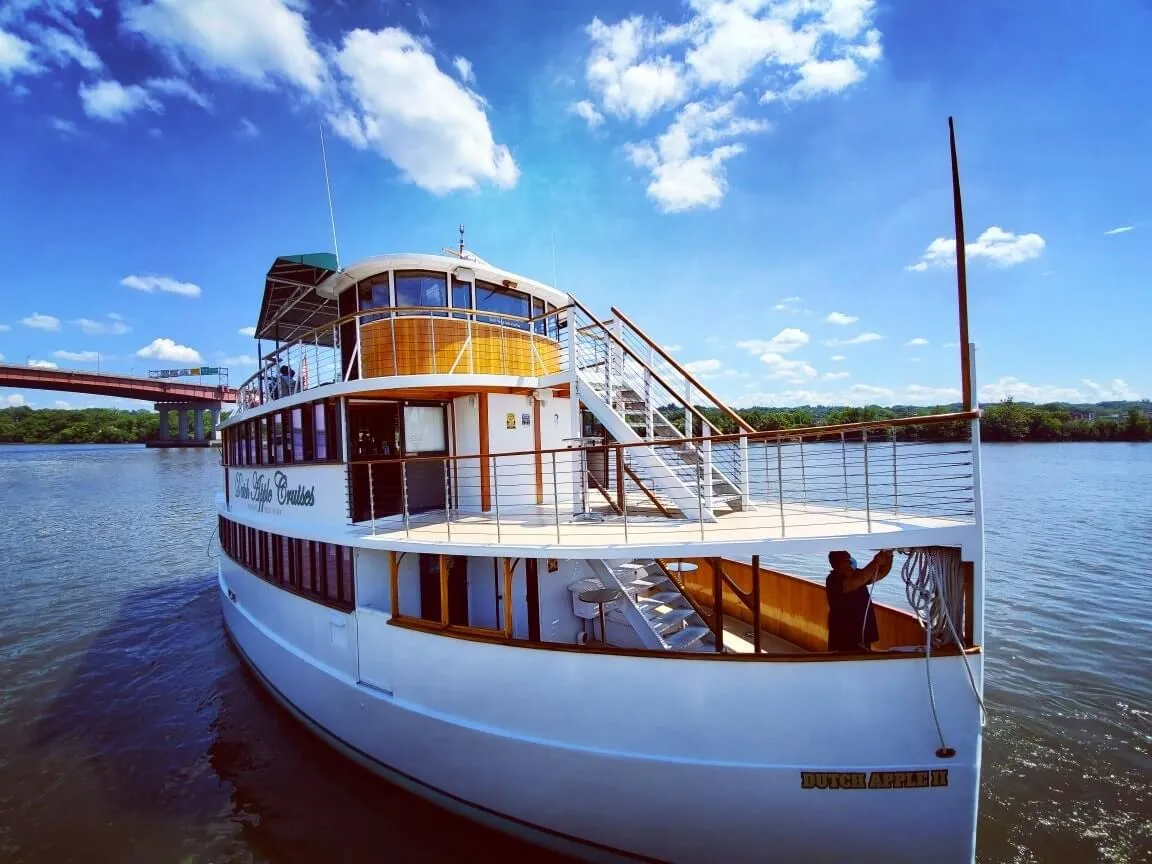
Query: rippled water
{"type": "Point", "coordinates": [129, 731]}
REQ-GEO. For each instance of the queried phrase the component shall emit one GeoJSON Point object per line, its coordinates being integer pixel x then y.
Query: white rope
{"type": "Point", "coordinates": [934, 586]}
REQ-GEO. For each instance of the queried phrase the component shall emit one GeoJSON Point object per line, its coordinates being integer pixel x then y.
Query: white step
{"type": "Point", "coordinates": [686, 638]}
{"type": "Point", "coordinates": [668, 620]}
{"type": "Point", "coordinates": [664, 598]}
{"type": "Point", "coordinates": [645, 582]}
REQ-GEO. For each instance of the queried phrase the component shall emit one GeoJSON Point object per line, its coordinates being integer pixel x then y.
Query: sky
{"type": "Point", "coordinates": [762, 185]}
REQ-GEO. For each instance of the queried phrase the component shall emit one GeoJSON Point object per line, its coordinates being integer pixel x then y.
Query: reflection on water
{"type": "Point", "coordinates": [130, 731]}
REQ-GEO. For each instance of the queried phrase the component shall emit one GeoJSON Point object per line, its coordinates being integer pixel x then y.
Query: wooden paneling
{"type": "Point", "coordinates": [792, 608]}
{"type": "Point", "coordinates": [409, 345]}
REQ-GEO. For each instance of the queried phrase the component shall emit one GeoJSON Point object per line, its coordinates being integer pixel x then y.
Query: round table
{"type": "Point", "coordinates": [681, 567]}
{"type": "Point", "coordinates": [600, 596]}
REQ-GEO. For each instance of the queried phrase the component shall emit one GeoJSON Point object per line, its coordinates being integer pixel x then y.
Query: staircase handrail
{"type": "Point", "coordinates": [655, 375]}
{"type": "Point", "coordinates": [740, 422]}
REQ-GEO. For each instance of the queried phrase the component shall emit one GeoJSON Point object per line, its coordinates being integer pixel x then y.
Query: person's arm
{"type": "Point", "coordinates": [873, 571]}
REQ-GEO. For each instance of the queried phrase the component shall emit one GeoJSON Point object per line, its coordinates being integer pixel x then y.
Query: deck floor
{"type": "Point", "coordinates": [544, 527]}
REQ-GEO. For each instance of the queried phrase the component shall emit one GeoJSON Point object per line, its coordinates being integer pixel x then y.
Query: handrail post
{"type": "Point", "coordinates": [844, 464]}
{"type": "Point", "coordinates": [780, 483]}
{"type": "Point", "coordinates": [867, 490]}
{"type": "Point", "coordinates": [620, 486]}
{"type": "Point", "coordinates": [895, 488]}
{"type": "Point", "coordinates": [700, 496]}
{"type": "Point", "coordinates": [471, 347]}
{"type": "Point", "coordinates": [555, 496]}
{"type": "Point", "coordinates": [803, 474]}
{"type": "Point", "coordinates": [745, 475]}
{"type": "Point", "coordinates": [447, 500]}
{"type": "Point", "coordinates": [404, 495]}
{"type": "Point", "coordinates": [371, 498]}
{"type": "Point", "coordinates": [649, 420]}
{"type": "Point", "coordinates": [503, 351]}
{"type": "Point", "coordinates": [706, 456]}
{"type": "Point", "coordinates": [496, 495]}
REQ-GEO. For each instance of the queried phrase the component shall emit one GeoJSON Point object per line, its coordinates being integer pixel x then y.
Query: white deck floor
{"type": "Point", "coordinates": [543, 529]}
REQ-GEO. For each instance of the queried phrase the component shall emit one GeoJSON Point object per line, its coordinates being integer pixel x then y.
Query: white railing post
{"type": "Point", "coordinates": [649, 420]}
{"type": "Point", "coordinates": [371, 499]}
{"type": "Point", "coordinates": [555, 496]}
{"type": "Point", "coordinates": [447, 501]}
{"type": "Point", "coordinates": [745, 474]}
{"type": "Point", "coordinates": [780, 483]}
{"type": "Point", "coordinates": [404, 496]}
{"type": "Point", "coordinates": [706, 456]}
{"type": "Point", "coordinates": [496, 495]}
{"type": "Point", "coordinates": [867, 490]}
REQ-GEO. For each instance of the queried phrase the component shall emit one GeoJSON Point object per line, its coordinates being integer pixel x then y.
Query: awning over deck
{"type": "Point", "coordinates": [291, 306]}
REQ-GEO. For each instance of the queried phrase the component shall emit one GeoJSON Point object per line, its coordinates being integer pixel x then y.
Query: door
{"type": "Point", "coordinates": [430, 609]}
{"type": "Point", "coordinates": [374, 434]}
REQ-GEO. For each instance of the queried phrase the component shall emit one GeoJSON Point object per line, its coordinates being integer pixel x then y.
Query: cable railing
{"type": "Point", "coordinates": [853, 479]}
{"type": "Point", "coordinates": [394, 341]}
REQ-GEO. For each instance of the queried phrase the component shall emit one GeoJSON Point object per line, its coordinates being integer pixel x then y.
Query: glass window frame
{"type": "Point", "coordinates": [438, 275]}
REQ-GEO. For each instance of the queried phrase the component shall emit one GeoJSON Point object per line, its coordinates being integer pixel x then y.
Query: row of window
{"type": "Point", "coordinates": [303, 434]}
{"type": "Point", "coordinates": [431, 289]}
{"type": "Point", "coordinates": [322, 572]}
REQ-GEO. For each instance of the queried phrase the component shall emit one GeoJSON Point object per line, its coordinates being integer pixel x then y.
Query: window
{"type": "Point", "coordinates": [320, 429]}
{"type": "Point", "coordinates": [461, 295]}
{"type": "Point", "coordinates": [537, 311]}
{"type": "Point", "coordinates": [417, 288]}
{"type": "Point", "coordinates": [552, 328]}
{"type": "Point", "coordinates": [424, 429]}
{"type": "Point", "coordinates": [308, 433]}
{"type": "Point", "coordinates": [374, 295]}
{"type": "Point", "coordinates": [297, 419]}
{"type": "Point", "coordinates": [509, 301]}
{"type": "Point", "coordinates": [262, 449]}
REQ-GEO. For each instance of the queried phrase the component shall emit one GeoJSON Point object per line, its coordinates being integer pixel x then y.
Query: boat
{"type": "Point", "coordinates": [512, 556]}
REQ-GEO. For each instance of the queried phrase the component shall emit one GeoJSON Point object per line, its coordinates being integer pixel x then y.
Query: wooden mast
{"type": "Point", "coordinates": [961, 275]}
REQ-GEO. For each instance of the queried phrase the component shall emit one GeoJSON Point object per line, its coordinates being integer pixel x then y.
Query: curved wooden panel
{"type": "Point", "coordinates": [792, 608]}
{"type": "Point", "coordinates": [407, 345]}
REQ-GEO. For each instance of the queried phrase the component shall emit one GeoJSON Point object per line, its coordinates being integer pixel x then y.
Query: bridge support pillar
{"type": "Point", "coordinates": [196, 436]}
{"type": "Point", "coordinates": [182, 423]}
{"type": "Point", "coordinates": [198, 425]}
{"type": "Point", "coordinates": [162, 433]}
{"type": "Point", "coordinates": [215, 421]}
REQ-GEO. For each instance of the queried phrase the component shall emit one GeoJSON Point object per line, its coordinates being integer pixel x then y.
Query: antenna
{"type": "Point", "coordinates": [328, 185]}
{"type": "Point", "coordinates": [961, 274]}
{"type": "Point", "coordinates": [555, 281]}
{"type": "Point", "coordinates": [461, 239]}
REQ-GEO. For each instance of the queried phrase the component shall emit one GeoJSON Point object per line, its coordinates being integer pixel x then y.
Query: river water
{"type": "Point", "coordinates": [130, 732]}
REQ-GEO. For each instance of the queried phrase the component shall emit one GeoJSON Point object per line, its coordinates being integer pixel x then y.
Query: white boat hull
{"type": "Point", "coordinates": [621, 757]}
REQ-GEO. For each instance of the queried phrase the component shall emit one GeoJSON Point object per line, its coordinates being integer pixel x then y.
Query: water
{"type": "Point", "coordinates": [129, 730]}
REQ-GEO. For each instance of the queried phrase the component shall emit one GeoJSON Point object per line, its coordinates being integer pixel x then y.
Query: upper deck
{"type": "Point", "coordinates": [472, 412]}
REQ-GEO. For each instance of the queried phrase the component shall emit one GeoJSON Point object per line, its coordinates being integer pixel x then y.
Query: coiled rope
{"type": "Point", "coordinates": [934, 586]}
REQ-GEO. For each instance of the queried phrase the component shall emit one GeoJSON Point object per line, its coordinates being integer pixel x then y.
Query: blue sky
{"type": "Point", "coordinates": [762, 183]}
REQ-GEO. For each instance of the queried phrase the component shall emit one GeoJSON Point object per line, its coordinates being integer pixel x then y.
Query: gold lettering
{"type": "Point", "coordinates": [940, 777]}
{"type": "Point", "coordinates": [807, 779]}
{"type": "Point", "coordinates": [821, 781]}
{"type": "Point", "coordinates": [921, 779]}
{"type": "Point", "coordinates": [900, 779]}
{"type": "Point", "coordinates": [859, 779]}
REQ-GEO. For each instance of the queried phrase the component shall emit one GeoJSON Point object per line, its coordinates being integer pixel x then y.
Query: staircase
{"type": "Point", "coordinates": [654, 607]}
{"type": "Point", "coordinates": [616, 379]}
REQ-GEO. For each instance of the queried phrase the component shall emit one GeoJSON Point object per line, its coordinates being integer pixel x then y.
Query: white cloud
{"type": "Point", "coordinates": [1117, 388]}
{"type": "Point", "coordinates": [1123, 229]}
{"type": "Point", "coordinates": [248, 129]}
{"type": "Point", "coordinates": [860, 339]}
{"type": "Point", "coordinates": [918, 342]}
{"type": "Point", "coordinates": [672, 349]}
{"type": "Point", "coordinates": [14, 400]}
{"type": "Point", "coordinates": [167, 349]}
{"type": "Point", "coordinates": [697, 367]}
{"type": "Point", "coordinates": [257, 40]}
{"type": "Point", "coordinates": [111, 100]}
{"type": "Point", "coordinates": [63, 48]}
{"type": "Point", "coordinates": [818, 77]}
{"type": "Point", "coordinates": [42, 364]}
{"type": "Point", "coordinates": [687, 171]}
{"type": "Point", "coordinates": [77, 356]}
{"type": "Point", "coordinates": [867, 393]}
{"type": "Point", "coordinates": [626, 85]}
{"type": "Point", "coordinates": [150, 284]}
{"type": "Point", "coordinates": [836, 358]}
{"type": "Point", "coordinates": [836, 376]}
{"type": "Point", "coordinates": [789, 370]}
{"type": "Point", "coordinates": [16, 57]}
{"type": "Point", "coordinates": [1, 358]}
{"type": "Point", "coordinates": [178, 87]}
{"type": "Point", "coordinates": [784, 342]}
{"type": "Point", "coordinates": [4, 328]}
{"type": "Point", "coordinates": [997, 246]}
{"type": "Point", "coordinates": [588, 112]}
{"type": "Point", "coordinates": [60, 403]}
{"type": "Point", "coordinates": [840, 318]}
{"type": "Point", "coordinates": [434, 130]}
{"type": "Point", "coordinates": [41, 322]}
{"type": "Point", "coordinates": [791, 304]}
{"type": "Point", "coordinates": [66, 128]}
{"type": "Point", "coordinates": [1088, 391]}
{"type": "Point", "coordinates": [240, 360]}
{"type": "Point", "coordinates": [918, 394]}
{"type": "Point", "coordinates": [464, 69]}
{"type": "Point", "coordinates": [115, 327]}
{"type": "Point", "coordinates": [247, 331]}
{"type": "Point", "coordinates": [115, 316]}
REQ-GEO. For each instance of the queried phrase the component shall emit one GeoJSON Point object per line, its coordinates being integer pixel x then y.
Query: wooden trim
{"type": "Point", "coordinates": [740, 422]}
{"type": "Point", "coordinates": [756, 604]}
{"type": "Point", "coordinates": [537, 444]}
{"type": "Point", "coordinates": [651, 497]}
{"type": "Point", "coordinates": [493, 637]}
{"type": "Point", "coordinates": [485, 468]}
{"type": "Point", "coordinates": [968, 573]}
{"type": "Point", "coordinates": [532, 596]}
{"type": "Point", "coordinates": [508, 566]}
{"type": "Point", "coordinates": [443, 563]}
{"type": "Point", "coordinates": [718, 602]}
{"type": "Point", "coordinates": [394, 579]}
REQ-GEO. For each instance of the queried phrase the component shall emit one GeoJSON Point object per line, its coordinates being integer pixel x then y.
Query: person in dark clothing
{"type": "Point", "coordinates": [851, 618]}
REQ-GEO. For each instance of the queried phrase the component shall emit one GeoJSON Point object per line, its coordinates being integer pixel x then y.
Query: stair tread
{"type": "Point", "coordinates": [686, 638]}
{"type": "Point", "coordinates": [663, 598]}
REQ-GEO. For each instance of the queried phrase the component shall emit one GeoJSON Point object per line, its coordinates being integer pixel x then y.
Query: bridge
{"type": "Point", "coordinates": [169, 396]}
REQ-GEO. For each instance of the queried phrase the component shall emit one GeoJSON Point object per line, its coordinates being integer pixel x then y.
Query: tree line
{"type": "Point", "coordinates": [1004, 421]}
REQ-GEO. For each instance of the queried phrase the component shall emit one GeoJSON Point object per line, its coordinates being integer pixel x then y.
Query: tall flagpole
{"type": "Point", "coordinates": [328, 185]}
{"type": "Point", "coordinates": [961, 275]}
